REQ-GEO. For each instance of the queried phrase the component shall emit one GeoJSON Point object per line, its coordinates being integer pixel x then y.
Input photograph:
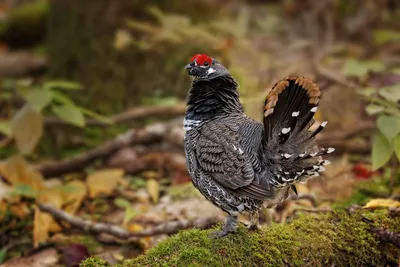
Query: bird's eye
{"type": "Point", "coordinates": [205, 63]}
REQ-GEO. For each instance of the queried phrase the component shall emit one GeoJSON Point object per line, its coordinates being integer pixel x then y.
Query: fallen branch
{"type": "Point", "coordinates": [119, 232]}
{"type": "Point", "coordinates": [17, 64]}
{"type": "Point", "coordinates": [149, 134]}
{"type": "Point", "coordinates": [130, 115]}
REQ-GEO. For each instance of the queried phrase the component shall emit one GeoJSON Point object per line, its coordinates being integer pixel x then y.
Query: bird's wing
{"type": "Point", "coordinates": [228, 150]}
{"type": "Point", "coordinates": [221, 155]}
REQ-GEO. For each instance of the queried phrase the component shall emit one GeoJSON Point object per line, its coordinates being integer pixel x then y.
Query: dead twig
{"type": "Point", "coordinates": [130, 115]}
{"type": "Point", "coordinates": [149, 134]}
{"type": "Point", "coordinates": [119, 232]}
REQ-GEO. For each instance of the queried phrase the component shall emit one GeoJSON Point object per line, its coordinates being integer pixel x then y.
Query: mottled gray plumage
{"type": "Point", "coordinates": [238, 163]}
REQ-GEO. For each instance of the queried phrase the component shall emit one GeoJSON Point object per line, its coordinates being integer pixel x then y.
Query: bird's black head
{"type": "Point", "coordinates": [203, 67]}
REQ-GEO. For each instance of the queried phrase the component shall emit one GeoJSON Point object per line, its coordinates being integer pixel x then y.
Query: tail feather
{"type": "Point", "coordinates": [292, 153]}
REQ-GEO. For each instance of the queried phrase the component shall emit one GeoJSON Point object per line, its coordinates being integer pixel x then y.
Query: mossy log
{"type": "Point", "coordinates": [333, 239]}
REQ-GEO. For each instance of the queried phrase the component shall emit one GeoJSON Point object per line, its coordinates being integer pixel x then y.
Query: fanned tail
{"type": "Point", "coordinates": [291, 151]}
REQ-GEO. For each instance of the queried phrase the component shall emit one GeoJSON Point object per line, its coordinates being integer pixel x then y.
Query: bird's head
{"type": "Point", "coordinates": [203, 67]}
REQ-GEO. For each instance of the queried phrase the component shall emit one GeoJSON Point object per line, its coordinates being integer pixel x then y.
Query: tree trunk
{"type": "Point", "coordinates": [81, 40]}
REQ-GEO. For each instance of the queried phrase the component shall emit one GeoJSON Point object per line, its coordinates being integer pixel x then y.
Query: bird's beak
{"type": "Point", "coordinates": [188, 67]}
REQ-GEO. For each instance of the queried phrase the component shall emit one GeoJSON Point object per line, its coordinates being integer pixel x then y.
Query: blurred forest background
{"type": "Point", "coordinates": [92, 101]}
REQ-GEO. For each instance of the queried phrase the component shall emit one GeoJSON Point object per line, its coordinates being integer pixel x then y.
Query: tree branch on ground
{"type": "Point", "coordinates": [119, 232]}
{"type": "Point", "coordinates": [149, 134]}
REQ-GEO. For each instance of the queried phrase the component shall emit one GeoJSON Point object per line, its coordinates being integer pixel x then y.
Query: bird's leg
{"type": "Point", "coordinates": [230, 226]}
{"type": "Point", "coordinates": [254, 220]}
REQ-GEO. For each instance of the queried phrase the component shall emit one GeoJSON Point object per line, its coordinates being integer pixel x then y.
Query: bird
{"type": "Point", "coordinates": [241, 164]}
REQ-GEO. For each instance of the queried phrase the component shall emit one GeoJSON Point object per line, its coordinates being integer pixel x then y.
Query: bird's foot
{"type": "Point", "coordinates": [229, 227]}
{"type": "Point", "coordinates": [219, 234]}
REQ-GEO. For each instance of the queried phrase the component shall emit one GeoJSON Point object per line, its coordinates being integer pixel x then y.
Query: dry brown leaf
{"type": "Point", "coordinates": [45, 258]}
{"type": "Point", "coordinates": [104, 182]}
{"type": "Point", "coordinates": [20, 210]}
{"type": "Point", "coordinates": [153, 188]}
{"type": "Point", "coordinates": [27, 128]}
{"type": "Point", "coordinates": [17, 171]}
{"type": "Point", "coordinates": [4, 190]}
{"type": "Point", "coordinates": [74, 198]}
{"type": "Point", "coordinates": [382, 202]}
{"type": "Point", "coordinates": [44, 223]}
{"type": "Point", "coordinates": [3, 208]}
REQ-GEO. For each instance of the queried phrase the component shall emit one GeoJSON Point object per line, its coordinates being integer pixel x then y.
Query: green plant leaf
{"type": "Point", "coordinates": [353, 67]}
{"type": "Point", "coordinates": [62, 98]}
{"type": "Point", "coordinates": [374, 65]}
{"type": "Point", "coordinates": [368, 92]}
{"type": "Point", "coordinates": [27, 128]}
{"type": "Point", "coordinates": [95, 115]}
{"type": "Point", "coordinates": [360, 69]}
{"type": "Point", "coordinates": [129, 214]}
{"type": "Point", "coordinates": [121, 202]}
{"type": "Point", "coordinates": [3, 254]}
{"type": "Point", "coordinates": [62, 85]}
{"type": "Point", "coordinates": [5, 128]}
{"type": "Point", "coordinates": [391, 93]}
{"type": "Point", "coordinates": [384, 36]}
{"type": "Point", "coordinates": [381, 151]}
{"type": "Point", "coordinates": [374, 109]}
{"type": "Point", "coordinates": [38, 98]}
{"type": "Point", "coordinates": [396, 144]}
{"type": "Point", "coordinates": [70, 114]}
{"type": "Point", "coordinates": [389, 126]}
{"type": "Point", "coordinates": [24, 190]}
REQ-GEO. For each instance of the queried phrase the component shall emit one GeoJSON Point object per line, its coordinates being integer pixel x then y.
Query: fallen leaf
{"type": "Point", "coordinates": [103, 182]}
{"type": "Point", "coordinates": [73, 194]}
{"type": "Point", "coordinates": [27, 128]}
{"type": "Point", "coordinates": [74, 254]}
{"type": "Point", "coordinates": [5, 190]}
{"type": "Point", "coordinates": [20, 210]}
{"type": "Point", "coordinates": [153, 188]}
{"type": "Point", "coordinates": [18, 172]}
{"type": "Point", "coordinates": [44, 258]}
{"type": "Point", "coordinates": [43, 223]}
{"type": "Point", "coordinates": [3, 209]}
{"type": "Point", "coordinates": [382, 202]}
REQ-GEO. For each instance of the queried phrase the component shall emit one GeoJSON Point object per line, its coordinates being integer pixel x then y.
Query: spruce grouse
{"type": "Point", "coordinates": [240, 164]}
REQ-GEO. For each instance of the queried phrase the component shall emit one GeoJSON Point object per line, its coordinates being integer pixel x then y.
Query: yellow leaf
{"type": "Point", "coordinates": [20, 210]}
{"type": "Point", "coordinates": [18, 172]}
{"type": "Point", "coordinates": [104, 182]}
{"type": "Point", "coordinates": [382, 202]}
{"type": "Point", "coordinates": [27, 128]}
{"type": "Point", "coordinates": [74, 195]}
{"type": "Point", "coordinates": [43, 222]}
{"type": "Point", "coordinates": [153, 188]}
{"type": "Point", "coordinates": [134, 227]}
{"type": "Point", "coordinates": [122, 39]}
{"type": "Point", "coordinates": [3, 209]}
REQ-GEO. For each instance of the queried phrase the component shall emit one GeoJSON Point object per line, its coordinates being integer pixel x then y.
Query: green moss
{"type": "Point", "coordinates": [336, 239]}
{"type": "Point", "coordinates": [93, 261]}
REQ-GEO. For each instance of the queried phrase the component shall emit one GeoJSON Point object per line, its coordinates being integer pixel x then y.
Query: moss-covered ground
{"type": "Point", "coordinates": [333, 239]}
